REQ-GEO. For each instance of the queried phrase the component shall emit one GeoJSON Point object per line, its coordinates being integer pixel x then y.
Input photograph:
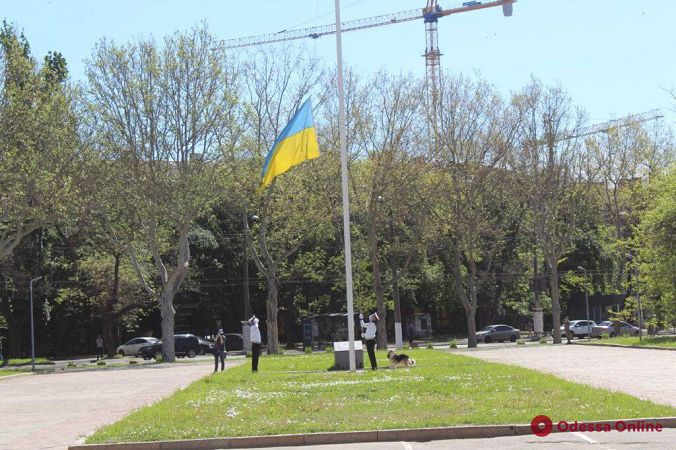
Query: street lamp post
{"type": "Point", "coordinates": [586, 299]}
{"type": "Point", "coordinates": [32, 324]}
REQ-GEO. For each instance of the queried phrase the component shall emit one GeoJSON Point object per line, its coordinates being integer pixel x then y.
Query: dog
{"type": "Point", "coordinates": [399, 360]}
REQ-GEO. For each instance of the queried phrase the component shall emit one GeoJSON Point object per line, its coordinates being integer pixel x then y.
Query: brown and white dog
{"type": "Point", "coordinates": [399, 360]}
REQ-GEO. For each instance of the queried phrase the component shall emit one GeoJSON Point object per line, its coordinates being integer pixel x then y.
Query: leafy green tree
{"type": "Point", "coordinates": [38, 141]}
{"type": "Point", "coordinates": [167, 116]}
{"type": "Point", "coordinates": [39, 157]}
{"type": "Point", "coordinates": [657, 246]}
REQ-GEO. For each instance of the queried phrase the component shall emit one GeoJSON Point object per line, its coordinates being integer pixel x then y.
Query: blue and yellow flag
{"type": "Point", "coordinates": [296, 143]}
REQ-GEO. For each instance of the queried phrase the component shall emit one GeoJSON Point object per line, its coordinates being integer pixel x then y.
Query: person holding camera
{"type": "Point", "coordinates": [255, 335]}
{"type": "Point", "coordinates": [219, 350]}
{"type": "Point", "coordinates": [370, 337]}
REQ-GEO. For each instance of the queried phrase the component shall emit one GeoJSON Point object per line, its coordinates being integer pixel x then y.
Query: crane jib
{"type": "Point", "coordinates": [429, 15]}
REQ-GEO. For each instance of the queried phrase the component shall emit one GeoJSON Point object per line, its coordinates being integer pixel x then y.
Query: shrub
{"type": "Point", "coordinates": [453, 344]}
{"type": "Point", "coordinates": [100, 363]}
{"type": "Point", "coordinates": [133, 362]}
{"type": "Point", "coordinates": [71, 364]}
{"type": "Point", "coordinates": [520, 342]}
{"type": "Point", "coordinates": [329, 348]}
{"type": "Point", "coordinates": [159, 358]}
{"type": "Point", "coordinates": [605, 336]}
{"type": "Point", "coordinates": [308, 349]}
{"type": "Point", "coordinates": [429, 345]}
{"type": "Point", "coordinates": [543, 340]}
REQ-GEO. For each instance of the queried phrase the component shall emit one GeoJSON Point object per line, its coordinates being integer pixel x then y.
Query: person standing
{"type": "Point", "coordinates": [370, 337]}
{"type": "Point", "coordinates": [99, 347]}
{"type": "Point", "coordinates": [566, 329]}
{"type": "Point", "coordinates": [219, 350]}
{"type": "Point", "coordinates": [255, 335]}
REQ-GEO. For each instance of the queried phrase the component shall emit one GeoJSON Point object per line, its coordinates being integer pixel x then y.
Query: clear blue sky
{"type": "Point", "coordinates": [613, 56]}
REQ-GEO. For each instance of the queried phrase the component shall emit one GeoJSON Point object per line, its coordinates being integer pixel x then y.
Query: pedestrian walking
{"type": "Point", "coordinates": [370, 337]}
{"type": "Point", "coordinates": [566, 329]}
{"type": "Point", "coordinates": [99, 347]}
{"type": "Point", "coordinates": [255, 335]}
{"type": "Point", "coordinates": [219, 350]}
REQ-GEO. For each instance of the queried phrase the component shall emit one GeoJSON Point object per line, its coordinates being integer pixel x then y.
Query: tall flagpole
{"type": "Point", "coordinates": [346, 199]}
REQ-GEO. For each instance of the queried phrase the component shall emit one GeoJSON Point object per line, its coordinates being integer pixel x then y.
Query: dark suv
{"type": "Point", "coordinates": [184, 345]}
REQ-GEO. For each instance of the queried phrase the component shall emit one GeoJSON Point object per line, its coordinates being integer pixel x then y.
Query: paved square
{"type": "Point", "coordinates": [643, 373]}
{"type": "Point", "coordinates": [55, 410]}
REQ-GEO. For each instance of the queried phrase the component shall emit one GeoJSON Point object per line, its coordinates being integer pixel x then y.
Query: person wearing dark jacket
{"type": "Point", "coordinates": [219, 350]}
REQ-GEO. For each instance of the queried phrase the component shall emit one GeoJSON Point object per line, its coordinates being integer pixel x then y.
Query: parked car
{"type": "Point", "coordinates": [206, 346]}
{"type": "Point", "coordinates": [184, 345]}
{"type": "Point", "coordinates": [607, 327]}
{"type": "Point", "coordinates": [578, 328]}
{"type": "Point", "coordinates": [132, 347]}
{"type": "Point", "coordinates": [234, 342]}
{"type": "Point", "coordinates": [497, 333]}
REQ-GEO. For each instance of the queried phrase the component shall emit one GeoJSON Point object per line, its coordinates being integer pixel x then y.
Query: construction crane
{"type": "Point", "coordinates": [430, 14]}
{"type": "Point", "coordinates": [613, 124]}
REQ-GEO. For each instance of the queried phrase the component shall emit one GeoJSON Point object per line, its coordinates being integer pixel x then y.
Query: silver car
{"type": "Point", "coordinates": [497, 333]}
{"type": "Point", "coordinates": [608, 328]}
{"type": "Point", "coordinates": [132, 347]}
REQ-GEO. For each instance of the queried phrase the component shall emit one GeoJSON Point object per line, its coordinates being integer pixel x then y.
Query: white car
{"type": "Point", "coordinates": [132, 347]}
{"type": "Point", "coordinates": [578, 328]}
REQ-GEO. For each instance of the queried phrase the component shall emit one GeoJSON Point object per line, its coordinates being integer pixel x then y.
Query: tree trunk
{"type": "Point", "coordinates": [381, 337]}
{"type": "Point", "coordinates": [109, 326]}
{"type": "Point", "coordinates": [108, 316]}
{"type": "Point", "coordinates": [398, 335]}
{"type": "Point", "coordinates": [556, 305]}
{"type": "Point", "coordinates": [272, 310]}
{"type": "Point", "coordinates": [468, 302]}
{"type": "Point", "coordinates": [168, 313]}
{"type": "Point", "coordinates": [14, 337]}
{"type": "Point", "coordinates": [470, 314]}
{"type": "Point", "coordinates": [12, 346]}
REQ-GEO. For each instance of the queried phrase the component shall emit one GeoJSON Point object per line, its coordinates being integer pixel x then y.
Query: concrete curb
{"type": "Point", "coordinates": [640, 347]}
{"type": "Point", "coordinates": [415, 435]}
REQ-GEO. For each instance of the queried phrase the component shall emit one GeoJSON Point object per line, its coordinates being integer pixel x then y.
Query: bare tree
{"type": "Point", "coordinates": [476, 137]}
{"type": "Point", "coordinates": [554, 175]}
{"type": "Point", "coordinates": [167, 116]}
{"type": "Point", "coordinates": [276, 83]}
{"type": "Point", "coordinates": [388, 146]}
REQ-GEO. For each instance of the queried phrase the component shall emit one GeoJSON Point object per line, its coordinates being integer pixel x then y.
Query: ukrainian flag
{"type": "Point", "coordinates": [296, 143]}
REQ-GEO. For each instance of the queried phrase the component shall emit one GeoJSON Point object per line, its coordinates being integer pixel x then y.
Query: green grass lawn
{"type": "Point", "coordinates": [295, 394]}
{"type": "Point", "coordinates": [13, 362]}
{"type": "Point", "coordinates": [7, 372]}
{"type": "Point", "coordinates": [656, 341]}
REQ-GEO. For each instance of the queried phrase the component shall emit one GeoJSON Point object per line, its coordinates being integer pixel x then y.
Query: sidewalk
{"type": "Point", "coordinates": [55, 410]}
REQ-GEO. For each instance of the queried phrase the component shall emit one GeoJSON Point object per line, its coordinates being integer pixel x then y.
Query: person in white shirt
{"type": "Point", "coordinates": [255, 335]}
{"type": "Point", "coordinates": [370, 337]}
